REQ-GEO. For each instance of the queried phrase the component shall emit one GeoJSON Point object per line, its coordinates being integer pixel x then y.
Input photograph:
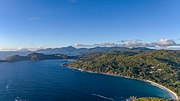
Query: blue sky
{"type": "Point", "coordinates": [58, 23]}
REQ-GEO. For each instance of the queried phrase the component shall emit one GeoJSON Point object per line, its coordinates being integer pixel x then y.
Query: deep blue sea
{"type": "Point", "coordinates": [50, 81]}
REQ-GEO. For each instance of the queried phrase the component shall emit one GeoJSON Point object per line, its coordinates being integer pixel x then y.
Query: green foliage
{"type": "Point", "coordinates": [160, 66]}
{"type": "Point", "coordinates": [151, 99]}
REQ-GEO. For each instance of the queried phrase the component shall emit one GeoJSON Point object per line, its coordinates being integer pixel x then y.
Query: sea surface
{"type": "Point", "coordinates": [48, 80]}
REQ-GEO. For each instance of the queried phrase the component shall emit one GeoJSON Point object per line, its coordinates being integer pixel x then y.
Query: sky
{"type": "Point", "coordinates": [59, 23]}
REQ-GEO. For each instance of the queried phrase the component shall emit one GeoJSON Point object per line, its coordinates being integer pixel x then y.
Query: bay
{"type": "Point", "coordinates": [49, 80]}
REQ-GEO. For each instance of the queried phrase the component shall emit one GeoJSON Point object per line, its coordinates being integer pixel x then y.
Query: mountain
{"type": "Point", "coordinates": [79, 51]}
{"type": "Point", "coordinates": [4, 54]}
{"type": "Point", "coordinates": [70, 51]}
{"type": "Point", "coordinates": [37, 56]}
{"type": "Point", "coordinates": [160, 66]}
{"type": "Point", "coordinates": [64, 50]}
{"type": "Point", "coordinates": [16, 58]}
{"type": "Point", "coordinates": [141, 48]}
{"type": "Point", "coordinates": [2, 60]}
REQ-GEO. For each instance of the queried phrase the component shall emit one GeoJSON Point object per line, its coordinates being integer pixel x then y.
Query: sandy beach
{"type": "Point", "coordinates": [173, 94]}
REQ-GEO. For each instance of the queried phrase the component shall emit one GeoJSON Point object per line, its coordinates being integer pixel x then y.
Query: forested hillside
{"type": "Point", "coordinates": [160, 66]}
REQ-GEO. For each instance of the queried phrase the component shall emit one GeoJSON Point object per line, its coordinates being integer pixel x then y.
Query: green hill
{"type": "Point", "coordinates": [16, 58]}
{"type": "Point", "coordinates": [160, 66]}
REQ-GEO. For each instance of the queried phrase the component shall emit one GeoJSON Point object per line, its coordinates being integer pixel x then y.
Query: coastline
{"type": "Point", "coordinates": [173, 94]}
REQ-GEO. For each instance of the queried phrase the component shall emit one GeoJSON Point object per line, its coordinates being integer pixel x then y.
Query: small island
{"type": "Point", "coordinates": [161, 68]}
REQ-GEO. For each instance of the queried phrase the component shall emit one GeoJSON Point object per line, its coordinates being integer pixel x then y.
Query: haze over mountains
{"type": "Point", "coordinates": [4, 54]}
{"type": "Point", "coordinates": [71, 51]}
{"type": "Point", "coordinates": [80, 49]}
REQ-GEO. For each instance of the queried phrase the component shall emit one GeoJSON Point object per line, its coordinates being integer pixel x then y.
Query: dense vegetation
{"type": "Point", "coordinates": [160, 66]}
{"type": "Point", "coordinates": [38, 56]}
{"type": "Point", "coordinates": [151, 99]}
{"type": "Point", "coordinates": [132, 98]}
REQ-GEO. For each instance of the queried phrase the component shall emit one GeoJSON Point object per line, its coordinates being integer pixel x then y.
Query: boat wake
{"type": "Point", "coordinates": [104, 97]}
{"type": "Point", "coordinates": [19, 99]}
{"type": "Point", "coordinates": [7, 86]}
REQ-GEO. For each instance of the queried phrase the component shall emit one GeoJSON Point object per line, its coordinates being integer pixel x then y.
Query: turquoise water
{"type": "Point", "coordinates": [50, 81]}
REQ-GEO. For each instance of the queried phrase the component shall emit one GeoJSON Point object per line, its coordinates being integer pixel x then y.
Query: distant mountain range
{"type": "Point", "coordinates": [37, 56]}
{"type": "Point", "coordinates": [4, 54]}
{"type": "Point", "coordinates": [70, 51]}
{"type": "Point", "coordinates": [81, 51]}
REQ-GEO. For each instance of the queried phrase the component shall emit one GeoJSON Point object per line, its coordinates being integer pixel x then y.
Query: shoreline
{"type": "Point", "coordinates": [164, 88]}
{"type": "Point", "coordinates": [173, 94]}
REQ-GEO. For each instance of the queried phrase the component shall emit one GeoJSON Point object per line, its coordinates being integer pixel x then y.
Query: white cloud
{"type": "Point", "coordinates": [108, 44]}
{"type": "Point", "coordinates": [134, 44]}
{"type": "Point", "coordinates": [8, 49]}
{"type": "Point", "coordinates": [83, 46]}
{"type": "Point", "coordinates": [162, 43]}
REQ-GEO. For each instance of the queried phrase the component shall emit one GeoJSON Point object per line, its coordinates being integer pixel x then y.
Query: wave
{"type": "Point", "coordinates": [104, 97]}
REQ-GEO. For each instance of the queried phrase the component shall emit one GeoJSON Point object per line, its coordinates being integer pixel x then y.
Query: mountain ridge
{"type": "Point", "coordinates": [70, 51]}
{"type": "Point", "coordinates": [37, 56]}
